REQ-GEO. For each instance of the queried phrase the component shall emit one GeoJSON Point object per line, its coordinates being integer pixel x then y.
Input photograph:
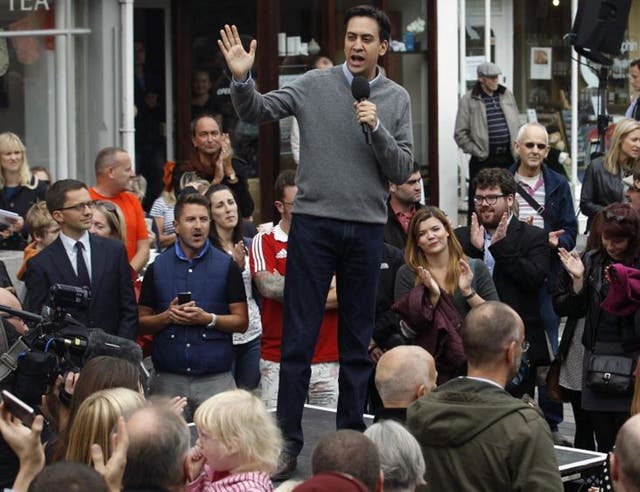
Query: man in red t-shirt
{"type": "Point", "coordinates": [268, 261]}
{"type": "Point", "coordinates": [114, 172]}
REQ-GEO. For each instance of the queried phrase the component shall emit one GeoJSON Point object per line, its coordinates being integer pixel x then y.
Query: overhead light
{"type": "Point", "coordinates": [555, 3]}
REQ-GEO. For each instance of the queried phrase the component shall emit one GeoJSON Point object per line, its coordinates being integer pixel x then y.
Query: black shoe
{"type": "Point", "coordinates": [287, 465]}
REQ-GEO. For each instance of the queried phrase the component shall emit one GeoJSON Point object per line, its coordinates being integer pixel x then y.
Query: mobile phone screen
{"type": "Point", "coordinates": [18, 408]}
{"type": "Point", "coordinates": [184, 297]}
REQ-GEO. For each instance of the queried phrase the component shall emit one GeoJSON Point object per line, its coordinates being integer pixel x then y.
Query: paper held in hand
{"type": "Point", "coordinates": [7, 217]}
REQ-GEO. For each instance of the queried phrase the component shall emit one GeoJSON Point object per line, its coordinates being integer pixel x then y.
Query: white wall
{"type": "Point", "coordinates": [447, 105]}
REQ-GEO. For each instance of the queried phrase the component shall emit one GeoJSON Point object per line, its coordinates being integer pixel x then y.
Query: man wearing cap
{"type": "Point", "coordinates": [486, 124]}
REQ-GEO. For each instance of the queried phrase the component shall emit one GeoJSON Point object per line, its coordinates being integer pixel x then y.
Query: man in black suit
{"type": "Point", "coordinates": [83, 260]}
{"type": "Point", "coordinates": [518, 256]}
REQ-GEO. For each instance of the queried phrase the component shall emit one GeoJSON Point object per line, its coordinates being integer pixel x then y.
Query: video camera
{"type": "Point", "coordinates": [57, 344]}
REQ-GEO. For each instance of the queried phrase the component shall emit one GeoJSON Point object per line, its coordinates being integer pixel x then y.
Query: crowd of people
{"type": "Point", "coordinates": [360, 298]}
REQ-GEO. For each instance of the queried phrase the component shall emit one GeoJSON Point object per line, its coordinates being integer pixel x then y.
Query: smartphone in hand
{"type": "Point", "coordinates": [18, 408]}
{"type": "Point", "coordinates": [184, 297]}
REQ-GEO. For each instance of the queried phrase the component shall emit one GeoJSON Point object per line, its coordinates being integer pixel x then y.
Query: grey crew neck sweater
{"type": "Point", "coordinates": [339, 175]}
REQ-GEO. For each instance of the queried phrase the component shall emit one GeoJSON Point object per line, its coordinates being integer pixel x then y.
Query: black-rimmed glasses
{"type": "Point", "coordinates": [490, 199]}
{"type": "Point", "coordinates": [79, 207]}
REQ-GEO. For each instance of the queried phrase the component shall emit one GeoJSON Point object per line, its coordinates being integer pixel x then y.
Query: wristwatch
{"type": "Point", "coordinates": [212, 323]}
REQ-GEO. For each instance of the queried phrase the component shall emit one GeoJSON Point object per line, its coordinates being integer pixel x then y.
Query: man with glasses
{"type": "Point", "coordinates": [114, 173]}
{"type": "Point", "coordinates": [80, 259]}
{"type": "Point", "coordinates": [491, 441]}
{"type": "Point", "coordinates": [268, 262]}
{"type": "Point", "coordinates": [403, 202]}
{"type": "Point", "coordinates": [486, 123]}
{"type": "Point", "coordinates": [544, 200]}
{"type": "Point", "coordinates": [518, 256]}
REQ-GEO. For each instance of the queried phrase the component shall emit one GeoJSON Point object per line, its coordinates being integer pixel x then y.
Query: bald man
{"type": "Point", "coordinates": [625, 466]}
{"type": "Point", "coordinates": [403, 374]}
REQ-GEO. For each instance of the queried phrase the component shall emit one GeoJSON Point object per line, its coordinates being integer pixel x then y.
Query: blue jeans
{"type": "Point", "coordinates": [246, 364]}
{"type": "Point", "coordinates": [317, 248]}
{"type": "Point", "coordinates": [553, 412]}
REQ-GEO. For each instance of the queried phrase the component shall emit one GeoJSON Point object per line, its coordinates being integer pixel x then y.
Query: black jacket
{"type": "Point", "coordinates": [393, 232]}
{"type": "Point", "coordinates": [522, 265]}
{"type": "Point", "coordinates": [20, 203]}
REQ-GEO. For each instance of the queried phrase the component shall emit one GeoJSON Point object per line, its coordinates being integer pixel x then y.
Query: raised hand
{"type": "Point", "coordinates": [113, 469]}
{"type": "Point", "coordinates": [466, 277]}
{"type": "Point", "coordinates": [476, 232]}
{"type": "Point", "coordinates": [238, 60]}
{"type": "Point", "coordinates": [571, 263]}
{"type": "Point", "coordinates": [426, 279]}
{"type": "Point", "coordinates": [554, 237]}
{"type": "Point", "coordinates": [501, 230]}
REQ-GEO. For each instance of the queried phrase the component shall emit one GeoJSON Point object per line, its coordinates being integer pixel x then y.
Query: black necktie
{"type": "Point", "coordinates": [83, 273]}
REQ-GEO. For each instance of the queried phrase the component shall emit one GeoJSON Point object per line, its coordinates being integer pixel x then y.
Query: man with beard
{"type": "Point", "coordinates": [192, 350]}
{"type": "Point", "coordinates": [506, 439]}
{"type": "Point", "coordinates": [403, 202]}
{"type": "Point", "coordinates": [518, 256]}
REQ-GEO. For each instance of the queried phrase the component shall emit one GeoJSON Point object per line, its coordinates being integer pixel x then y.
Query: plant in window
{"type": "Point", "coordinates": [417, 26]}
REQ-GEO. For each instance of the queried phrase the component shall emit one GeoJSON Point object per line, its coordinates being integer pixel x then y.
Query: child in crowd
{"type": "Point", "coordinates": [238, 445]}
{"type": "Point", "coordinates": [43, 229]}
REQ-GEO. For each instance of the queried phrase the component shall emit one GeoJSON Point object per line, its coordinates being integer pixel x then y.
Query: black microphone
{"type": "Point", "coordinates": [361, 90]}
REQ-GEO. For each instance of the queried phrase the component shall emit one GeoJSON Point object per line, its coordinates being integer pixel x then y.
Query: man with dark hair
{"type": "Point", "coordinates": [340, 210]}
{"type": "Point", "coordinates": [69, 476]}
{"type": "Point", "coordinates": [192, 350]}
{"type": "Point", "coordinates": [268, 262]}
{"type": "Point", "coordinates": [81, 259]}
{"type": "Point", "coordinates": [492, 441]}
{"type": "Point", "coordinates": [159, 443]}
{"type": "Point", "coordinates": [518, 256]}
{"type": "Point", "coordinates": [633, 111]}
{"type": "Point", "coordinates": [403, 202]}
{"type": "Point", "coordinates": [212, 159]}
{"type": "Point", "coordinates": [625, 466]}
{"type": "Point", "coordinates": [350, 452]}
{"type": "Point", "coordinates": [114, 173]}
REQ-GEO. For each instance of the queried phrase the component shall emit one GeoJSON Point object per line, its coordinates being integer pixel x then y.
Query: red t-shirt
{"type": "Point", "coordinates": [133, 217]}
{"type": "Point", "coordinates": [269, 253]}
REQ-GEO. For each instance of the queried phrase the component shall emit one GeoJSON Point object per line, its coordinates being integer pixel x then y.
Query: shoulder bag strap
{"type": "Point", "coordinates": [530, 200]}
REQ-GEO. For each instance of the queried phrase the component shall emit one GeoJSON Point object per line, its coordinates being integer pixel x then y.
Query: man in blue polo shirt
{"type": "Point", "coordinates": [192, 351]}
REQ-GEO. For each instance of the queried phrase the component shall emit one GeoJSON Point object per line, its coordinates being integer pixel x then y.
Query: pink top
{"type": "Point", "coordinates": [209, 481]}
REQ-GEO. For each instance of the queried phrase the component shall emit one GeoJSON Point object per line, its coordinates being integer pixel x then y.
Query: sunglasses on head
{"type": "Point", "coordinates": [110, 206]}
{"type": "Point", "coordinates": [531, 145]}
{"type": "Point", "coordinates": [617, 218]}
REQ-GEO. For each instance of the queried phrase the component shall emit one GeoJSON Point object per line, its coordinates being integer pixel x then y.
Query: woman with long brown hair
{"type": "Point", "coordinates": [436, 264]}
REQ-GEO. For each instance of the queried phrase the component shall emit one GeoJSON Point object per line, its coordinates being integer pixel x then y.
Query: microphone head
{"type": "Point", "coordinates": [360, 88]}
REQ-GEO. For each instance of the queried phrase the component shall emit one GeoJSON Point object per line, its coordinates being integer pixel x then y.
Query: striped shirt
{"type": "Point", "coordinates": [498, 129]}
{"type": "Point", "coordinates": [535, 188]}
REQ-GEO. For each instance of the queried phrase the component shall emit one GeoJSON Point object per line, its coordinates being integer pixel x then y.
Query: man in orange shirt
{"type": "Point", "coordinates": [114, 173]}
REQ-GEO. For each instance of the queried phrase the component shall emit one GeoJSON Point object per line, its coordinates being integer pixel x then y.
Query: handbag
{"type": "Point", "coordinates": [611, 374]}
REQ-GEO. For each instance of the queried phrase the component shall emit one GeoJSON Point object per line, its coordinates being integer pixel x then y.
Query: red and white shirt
{"type": "Point", "coordinates": [269, 253]}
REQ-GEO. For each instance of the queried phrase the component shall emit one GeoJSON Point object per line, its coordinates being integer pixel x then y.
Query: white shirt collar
{"type": "Point", "coordinates": [490, 381]}
{"type": "Point", "coordinates": [70, 244]}
{"type": "Point", "coordinates": [279, 234]}
{"type": "Point", "coordinates": [349, 75]}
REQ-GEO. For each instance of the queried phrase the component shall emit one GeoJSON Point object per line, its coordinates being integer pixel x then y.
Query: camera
{"type": "Point", "coordinates": [56, 344]}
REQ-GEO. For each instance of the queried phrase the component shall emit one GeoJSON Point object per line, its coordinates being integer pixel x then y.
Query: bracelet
{"type": "Point", "coordinates": [470, 295]}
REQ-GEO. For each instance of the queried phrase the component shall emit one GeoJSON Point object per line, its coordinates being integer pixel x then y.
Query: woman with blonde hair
{"type": "Point", "coordinates": [19, 190]}
{"type": "Point", "coordinates": [238, 444]}
{"type": "Point", "coordinates": [96, 420]}
{"type": "Point", "coordinates": [602, 183]}
{"type": "Point", "coordinates": [438, 285]}
{"type": "Point", "coordinates": [108, 221]}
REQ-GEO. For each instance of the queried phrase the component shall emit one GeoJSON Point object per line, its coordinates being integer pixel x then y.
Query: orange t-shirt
{"type": "Point", "coordinates": [133, 217]}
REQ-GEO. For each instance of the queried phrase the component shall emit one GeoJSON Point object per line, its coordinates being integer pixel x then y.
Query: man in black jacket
{"type": "Point", "coordinates": [516, 253]}
{"type": "Point", "coordinates": [403, 202]}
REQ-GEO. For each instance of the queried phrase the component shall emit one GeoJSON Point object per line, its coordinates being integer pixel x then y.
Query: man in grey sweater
{"type": "Point", "coordinates": [340, 209]}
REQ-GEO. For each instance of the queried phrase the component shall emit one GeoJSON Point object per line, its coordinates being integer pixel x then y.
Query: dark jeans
{"type": "Point", "coordinates": [583, 438]}
{"type": "Point", "coordinates": [606, 426]}
{"type": "Point", "coordinates": [246, 365]}
{"type": "Point", "coordinates": [318, 248]}
{"type": "Point", "coordinates": [552, 410]}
